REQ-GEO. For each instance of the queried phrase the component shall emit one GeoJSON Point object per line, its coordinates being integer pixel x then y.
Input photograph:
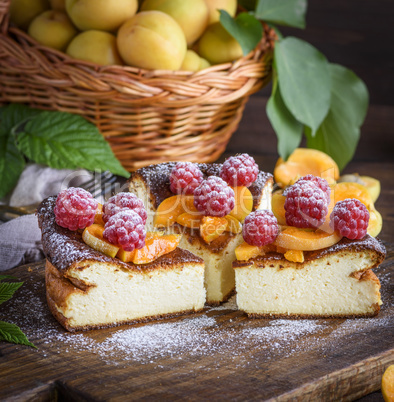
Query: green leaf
{"type": "Point", "coordinates": [6, 277]}
{"type": "Point", "coordinates": [7, 289]}
{"type": "Point", "coordinates": [304, 80]}
{"type": "Point", "coordinates": [12, 161]}
{"type": "Point", "coordinates": [288, 130]}
{"type": "Point", "coordinates": [245, 28]}
{"type": "Point", "coordinates": [282, 12]}
{"type": "Point", "coordinates": [67, 141]}
{"type": "Point", "coordinates": [12, 333]}
{"type": "Point", "coordinates": [339, 133]}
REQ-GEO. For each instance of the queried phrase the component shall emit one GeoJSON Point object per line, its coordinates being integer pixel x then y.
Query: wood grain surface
{"type": "Point", "coordinates": [219, 354]}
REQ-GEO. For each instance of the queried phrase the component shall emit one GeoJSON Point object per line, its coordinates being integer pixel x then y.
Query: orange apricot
{"type": "Point", "coordinates": [93, 237]}
{"type": "Point", "coordinates": [212, 227]}
{"type": "Point", "coordinates": [156, 245]}
{"type": "Point", "coordinates": [352, 190]}
{"type": "Point", "coordinates": [294, 238]}
{"type": "Point", "coordinates": [294, 255]}
{"type": "Point", "coordinates": [233, 225]}
{"type": "Point", "coordinates": [243, 203]}
{"type": "Point", "coordinates": [375, 223]}
{"type": "Point", "coordinates": [278, 206]}
{"type": "Point", "coordinates": [190, 220]}
{"type": "Point", "coordinates": [305, 161]}
{"type": "Point", "coordinates": [168, 211]}
{"type": "Point", "coordinates": [98, 218]}
{"type": "Point", "coordinates": [245, 252]}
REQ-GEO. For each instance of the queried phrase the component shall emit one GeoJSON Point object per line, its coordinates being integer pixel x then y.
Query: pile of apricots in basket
{"type": "Point", "coordinates": [149, 34]}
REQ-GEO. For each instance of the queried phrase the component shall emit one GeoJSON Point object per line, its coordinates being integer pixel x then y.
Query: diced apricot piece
{"type": "Point", "coordinates": [168, 211]}
{"type": "Point", "coordinates": [294, 238]}
{"type": "Point", "coordinates": [93, 237]}
{"type": "Point", "coordinates": [156, 245]}
{"type": "Point", "coordinates": [305, 161]}
{"type": "Point", "coordinates": [352, 190]}
{"type": "Point", "coordinates": [375, 223]}
{"type": "Point", "coordinates": [98, 218]}
{"type": "Point", "coordinates": [188, 204]}
{"type": "Point", "coordinates": [190, 220]}
{"type": "Point", "coordinates": [233, 225]}
{"type": "Point", "coordinates": [294, 255]}
{"type": "Point", "coordinates": [212, 227]}
{"type": "Point", "coordinates": [245, 252]}
{"type": "Point", "coordinates": [243, 203]}
{"type": "Point", "coordinates": [278, 206]}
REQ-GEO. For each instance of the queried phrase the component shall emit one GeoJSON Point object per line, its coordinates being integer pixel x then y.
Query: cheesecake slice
{"type": "Point", "coordinates": [152, 185]}
{"type": "Point", "coordinates": [86, 289]}
{"type": "Point", "coordinates": [333, 282]}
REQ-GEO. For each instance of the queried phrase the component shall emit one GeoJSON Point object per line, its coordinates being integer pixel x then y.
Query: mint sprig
{"type": "Point", "coordinates": [11, 332]}
{"type": "Point", "coordinates": [325, 102]}
{"type": "Point", "coordinates": [57, 139]}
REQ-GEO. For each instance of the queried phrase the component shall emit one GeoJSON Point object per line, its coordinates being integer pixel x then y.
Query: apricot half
{"type": "Point", "coordinates": [305, 161]}
{"type": "Point", "coordinates": [278, 206]}
{"type": "Point", "coordinates": [293, 238]}
{"type": "Point", "coordinates": [352, 190]}
{"type": "Point", "coordinates": [168, 211]}
{"type": "Point", "coordinates": [156, 245]}
{"type": "Point", "coordinates": [212, 227]}
{"type": "Point", "coordinates": [243, 203]}
{"type": "Point", "coordinates": [93, 237]}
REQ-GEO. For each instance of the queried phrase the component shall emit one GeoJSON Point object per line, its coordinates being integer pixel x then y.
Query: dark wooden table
{"type": "Point", "coordinates": [218, 354]}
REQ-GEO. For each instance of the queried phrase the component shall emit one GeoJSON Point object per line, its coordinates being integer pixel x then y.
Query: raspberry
{"type": "Point", "coordinates": [121, 202]}
{"type": "Point", "coordinates": [350, 218]}
{"type": "Point", "coordinates": [306, 205]}
{"type": "Point", "coordinates": [213, 197]}
{"type": "Point", "coordinates": [185, 177]}
{"type": "Point", "coordinates": [260, 228]}
{"type": "Point", "coordinates": [126, 229]}
{"type": "Point", "coordinates": [75, 208]}
{"type": "Point", "coordinates": [319, 181]}
{"type": "Point", "coordinates": [239, 170]}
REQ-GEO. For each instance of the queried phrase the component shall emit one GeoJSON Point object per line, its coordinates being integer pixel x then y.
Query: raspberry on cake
{"type": "Point", "coordinates": [124, 201]}
{"type": "Point", "coordinates": [86, 288]}
{"type": "Point", "coordinates": [185, 177]}
{"type": "Point", "coordinates": [307, 272]}
{"type": "Point", "coordinates": [212, 238]}
{"type": "Point", "coordinates": [239, 170]}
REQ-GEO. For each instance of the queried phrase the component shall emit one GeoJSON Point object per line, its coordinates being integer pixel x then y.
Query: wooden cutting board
{"type": "Point", "coordinates": [219, 354]}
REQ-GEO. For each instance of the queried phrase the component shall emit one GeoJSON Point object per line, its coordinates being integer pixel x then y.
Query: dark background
{"type": "Point", "coordinates": [357, 34]}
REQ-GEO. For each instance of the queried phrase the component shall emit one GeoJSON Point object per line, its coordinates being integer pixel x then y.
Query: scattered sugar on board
{"type": "Point", "coordinates": [190, 337]}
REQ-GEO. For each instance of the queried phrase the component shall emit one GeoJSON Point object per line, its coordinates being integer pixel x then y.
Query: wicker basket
{"type": "Point", "coordinates": [146, 116]}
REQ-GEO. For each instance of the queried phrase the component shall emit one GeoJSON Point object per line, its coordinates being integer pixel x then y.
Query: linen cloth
{"type": "Point", "coordinates": [20, 238]}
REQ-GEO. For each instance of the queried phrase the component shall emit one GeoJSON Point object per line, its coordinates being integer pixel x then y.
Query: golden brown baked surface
{"type": "Point", "coordinates": [157, 178]}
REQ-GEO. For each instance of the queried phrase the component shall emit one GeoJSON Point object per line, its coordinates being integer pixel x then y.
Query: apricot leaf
{"type": "Point", "coordinates": [245, 29]}
{"type": "Point", "coordinates": [12, 333]}
{"type": "Point", "coordinates": [304, 80]}
{"type": "Point", "coordinates": [283, 12]}
{"type": "Point", "coordinates": [339, 133]}
{"type": "Point", "coordinates": [288, 129]}
{"type": "Point", "coordinates": [67, 141]}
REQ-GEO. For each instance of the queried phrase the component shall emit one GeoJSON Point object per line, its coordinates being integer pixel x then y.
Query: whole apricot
{"type": "Point", "coordinates": [152, 40]}
{"type": "Point", "coordinates": [218, 46]}
{"type": "Point", "coordinates": [215, 5]}
{"type": "Point", "coordinates": [103, 15]}
{"type": "Point", "coordinates": [191, 62]}
{"type": "Point", "coordinates": [22, 12]}
{"type": "Point", "coordinates": [59, 5]}
{"type": "Point", "coordinates": [52, 28]}
{"type": "Point", "coordinates": [191, 15]}
{"type": "Point", "coordinates": [95, 46]}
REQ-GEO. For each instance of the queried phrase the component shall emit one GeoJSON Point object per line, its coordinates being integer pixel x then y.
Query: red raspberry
{"type": "Point", "coordinates": [185, 177]}
{"type": "Point", "coordinates": [239, 170]}
{"type": "Point", "coordinates": [319, 181]}
{"type": "Point", "coordinates": [260, 228]}
{"type": "Point", "coordinates": [306, 205]}
{"type": "Point", "coordinates": [350, 218]}
{"type": "Point", "coordinates": [75, 208]}
{"type": "Point", "coordinates": [213, 197]}
{"type": "Point", "coordinates": [126, 229]}
{"type": "Point", "coordinates": [124, 201]}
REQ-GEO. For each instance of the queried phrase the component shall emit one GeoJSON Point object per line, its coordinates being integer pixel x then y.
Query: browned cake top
{"type": "Point", "coordinates": [367, 243]}
{"type": "Point", "coordinates": [157, 178]}
{"type": "Point", "coordinates": [63, 248]}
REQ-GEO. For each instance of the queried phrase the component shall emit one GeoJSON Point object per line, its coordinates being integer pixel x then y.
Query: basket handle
{"type": "Point", "coordinates": [4, 15]}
